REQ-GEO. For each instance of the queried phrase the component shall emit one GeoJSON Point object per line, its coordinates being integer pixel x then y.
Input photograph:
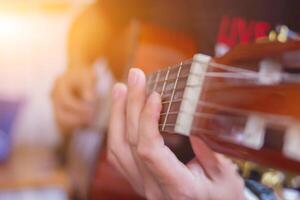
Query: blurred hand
{"type": "Point", "coordinates": [74, 98]}
{"type": "Point", "coordinates": [137, 150]}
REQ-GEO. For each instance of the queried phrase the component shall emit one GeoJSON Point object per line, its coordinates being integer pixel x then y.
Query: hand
{"type": "Point", "coordinates": [74, 98]}
{"type": "Point", "coordinates": [137, 150]}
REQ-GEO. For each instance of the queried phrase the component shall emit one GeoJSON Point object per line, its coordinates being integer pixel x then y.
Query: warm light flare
{"type": "Point", "coordinates": [11, 26]}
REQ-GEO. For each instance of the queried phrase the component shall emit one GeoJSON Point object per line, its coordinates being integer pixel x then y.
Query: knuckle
{"type": "Point", "coordinates": [144, 152]}
{"type": "Point", "coordinates": [132, 140]}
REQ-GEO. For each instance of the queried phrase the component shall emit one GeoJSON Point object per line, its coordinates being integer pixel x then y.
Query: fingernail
{"type": "Point", "coordinates": [118, 90]}
{"type": "Point", "coordinates": [133, 76]}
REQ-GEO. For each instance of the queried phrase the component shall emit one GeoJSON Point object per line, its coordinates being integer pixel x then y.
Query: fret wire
{"type": "Point", "coordinates": [156, 80]}
{"type": "Point", "coordinates": [187, 62]}
{"type": "Point", "coordinates": [165, 82]}
{"type": "Point", "coordinates": [148, 83]}
{"type": "Point", "coordinates": [170, 80]}
{"type": "Point", "coordinates": [173, 93]}
{"type": "Point", "coordinates": [181, 89]}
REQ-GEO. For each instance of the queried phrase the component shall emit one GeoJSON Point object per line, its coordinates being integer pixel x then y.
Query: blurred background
{"type": "Point", "coordinates": [33, 41]}
{"type": "Point", "coordinates": [33, 53]}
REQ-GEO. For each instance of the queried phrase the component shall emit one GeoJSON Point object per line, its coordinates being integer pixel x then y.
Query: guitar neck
{"type": "Point", "coordinates": [189, 108]}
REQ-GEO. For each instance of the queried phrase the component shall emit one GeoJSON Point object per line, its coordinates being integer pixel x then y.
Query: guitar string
{"type": "Point", "coordinates": [250, 81]}
{"type": "Point", "coordinates": [211, 64]}
{"type": "Point", "coordinates": [214, 116]}
{"type": "Point", "coordinates": [209, 75]}
{"type": "Point", "coordinates": [206, 115]}
{"type": "Point", "coordinates": [237, 74]}
{"type": "Point", "coordinates": [271, 117]}
{"type": "Point", "coordinates": [206, 132]}
{"type": "Point", "coordinates": [212, 86]}
{"type": "Point", "coordinates": [184, 63]}
{"type": "Point", "coordinates": [166, 92]}
{"type": "Point", "coordinates": [197, 129]}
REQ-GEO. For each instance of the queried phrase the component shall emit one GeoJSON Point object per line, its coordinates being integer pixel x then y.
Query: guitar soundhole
{"type": "Point", "coordinates": [274, 138]}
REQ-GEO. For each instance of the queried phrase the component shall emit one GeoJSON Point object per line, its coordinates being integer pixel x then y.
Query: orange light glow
{"type": "Point", "coordinates": [11, 26]}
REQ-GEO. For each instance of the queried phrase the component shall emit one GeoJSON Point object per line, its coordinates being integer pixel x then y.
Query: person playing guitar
{"type": "Point", "coordinates": [74, 93]}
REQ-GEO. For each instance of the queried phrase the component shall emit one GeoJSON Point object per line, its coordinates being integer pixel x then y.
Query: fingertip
{"type": "Point", "coordinates": [119, 91]}
{"type": "Point", "coordinates": [136, 77]}
{"type": "Point", "coordinates": [150, 118]}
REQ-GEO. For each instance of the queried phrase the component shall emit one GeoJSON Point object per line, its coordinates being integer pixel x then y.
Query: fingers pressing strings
{"type": "Point", "coordinates": [119, 153]}
{"type": "Point", "coordinates": [158, 158]}
{"type": "Point", "coordinates": [135, 103]}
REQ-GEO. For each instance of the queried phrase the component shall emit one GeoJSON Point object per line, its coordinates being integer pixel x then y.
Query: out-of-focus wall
{"type": "Point", "coordinates": [32, 54]}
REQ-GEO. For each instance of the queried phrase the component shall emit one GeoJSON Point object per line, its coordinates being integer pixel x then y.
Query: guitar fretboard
{"type": "Point", "coordinates": [179, 87]}
{"type": "Point", "coordinates": [170, 83]}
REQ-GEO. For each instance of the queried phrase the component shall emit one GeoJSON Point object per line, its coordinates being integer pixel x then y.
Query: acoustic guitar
{"type": "Point", "coordinates": [244, 104]}
{"type": "Point", "coordinates": [250, 111]}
